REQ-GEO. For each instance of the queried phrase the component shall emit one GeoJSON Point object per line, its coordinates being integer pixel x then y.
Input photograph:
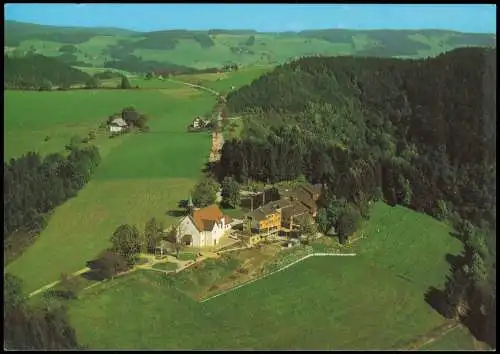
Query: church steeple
{"type": "Point", "coordinates": [190, 205]}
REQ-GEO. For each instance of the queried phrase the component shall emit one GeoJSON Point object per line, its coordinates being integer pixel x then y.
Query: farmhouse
{"type": "Point", "coordinates": [205, 226]}
{"type": "Point", "coordinates": [117, 125]}
{"type": "Point", "coordinates": [199, 122]}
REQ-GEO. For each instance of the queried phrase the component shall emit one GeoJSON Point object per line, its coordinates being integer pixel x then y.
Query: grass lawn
{"type": "Point", "coordinates": [166, 266]}
{"type": "Point", "coordinates": [397, 239]}
{"type": "Point", "coordinates": [187, 256]}
{"type": "Point", "coordinates": [141, 175]}
{"type": "Point", "coordinates": [237, 79]}
{"type": "Point", "coordinates": [357, 302]}
{"type": "Point", "coordinates": [234, 213]}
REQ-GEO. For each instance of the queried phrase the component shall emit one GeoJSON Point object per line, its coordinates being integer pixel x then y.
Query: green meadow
{"type": "Point", "coordinates": [30, 117]}
{"type": "Point", "coordinates": [239, 78]}
{"type": "Point", "coordinates": [359, 302]}
{"type": "Point", "coordinates": [141, 175]}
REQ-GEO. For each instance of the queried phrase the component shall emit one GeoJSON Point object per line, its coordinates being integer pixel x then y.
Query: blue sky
{"type": "Point", "coordinates": [261, 17]}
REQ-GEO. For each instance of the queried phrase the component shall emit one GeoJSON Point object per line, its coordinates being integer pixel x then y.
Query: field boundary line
{"type": "Point", "coordinates": [279, 270]}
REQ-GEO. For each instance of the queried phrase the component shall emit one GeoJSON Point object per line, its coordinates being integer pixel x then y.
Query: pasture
{"type": "Point", "coordinates": [30, 117]}
{"type": "Point", "coordinates": [357, 302]}
{"type": "Point", "coordinates": [140, 176]}
{"type": "Point", "coordinates": [239, 78]}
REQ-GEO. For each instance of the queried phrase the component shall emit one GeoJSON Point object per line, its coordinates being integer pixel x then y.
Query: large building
{"type": "Point", "coordinates": [286, 213]}
{"type": "Point", "coordinates": [205, 227]}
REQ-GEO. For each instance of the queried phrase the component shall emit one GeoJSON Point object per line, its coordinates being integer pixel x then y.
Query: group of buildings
{"type": "Point", "coordinates": [205, 227]}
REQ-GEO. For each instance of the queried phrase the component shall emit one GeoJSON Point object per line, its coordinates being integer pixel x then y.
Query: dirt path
{"type": "Point", "coordinates": [51, 285]}
{"type": "Point", "coordinates": [217, 137]}
{"type": "Point", "coordinates": [431, 336]}
{"type": "Point", "coordinates": [197, 86]}
{"type": "Point", "coordinates": [217, 141]}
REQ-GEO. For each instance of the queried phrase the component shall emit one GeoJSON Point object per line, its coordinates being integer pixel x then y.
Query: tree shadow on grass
{"type": "Point", "coordinates": [94, 274]}
{"type": "Point", "coordinates": [214, 169]}
{"type": "Point", "coordinates": [456, 235]}
{"type": "Point", "coordinates": [436, 299]}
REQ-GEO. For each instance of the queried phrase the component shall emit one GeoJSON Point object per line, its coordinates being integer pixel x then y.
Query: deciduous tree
{"type": "Point", "coordinates": [205, 192]}
{"type": "Point", "coordinates": [125, 84]}
{"type": "Point", "coordinates": [152, 232]}
{"type": "Point", "coordinates": [126, 242]}
{"type": "Point", "coordinates": [230, 192]}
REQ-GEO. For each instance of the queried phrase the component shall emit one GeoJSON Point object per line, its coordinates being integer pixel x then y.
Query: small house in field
{"type": "Point", "coordinates": [117, 125]}
{"type": "Point", "coordinates": [199, 123]}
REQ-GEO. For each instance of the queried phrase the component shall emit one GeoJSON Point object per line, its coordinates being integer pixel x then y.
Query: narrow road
{"type": "Point", "coordinates": [197, 86]}
{"type": "Point", "coordinates": [432, 336]}
{"type": "Point", "coordinates": [51, 285]}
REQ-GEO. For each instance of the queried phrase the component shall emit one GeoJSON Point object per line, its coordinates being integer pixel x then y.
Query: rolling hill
{"type": "Point", "coordinates": [202, 49]}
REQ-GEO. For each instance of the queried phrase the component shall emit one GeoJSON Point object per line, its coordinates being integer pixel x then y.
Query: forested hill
{"type": "Point", "coordinates": [36, 71]}
{"type": "Point", "coordinates": [420, 133]}
{"type": "Point", "coordinates": [423, 132]}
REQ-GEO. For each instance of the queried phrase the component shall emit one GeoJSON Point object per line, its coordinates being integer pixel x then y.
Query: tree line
{"type": "Point", "coordinates": [35, 327]}
{"type": "Point", "coordinates": [35, 186]}
{"type": "Point", "coordinates": [34, 72]}
{"type": "Point", "coordinates": [421, 133]}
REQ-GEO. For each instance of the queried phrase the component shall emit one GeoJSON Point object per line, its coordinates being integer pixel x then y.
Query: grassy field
{"type": "Point", "coordinates": [458, 338]}
{"type": "Point", "coordinates": [237, 79]}
{"type": "Point", "coordinates": [141, 175]}
{"type": "Point", "coordinates": [166, 266]}
{"type": "Point", "coordinates": [62, 114]}
{"type": "Point", "coordinates": [359, 302]}
{"type": "Point", "coordinates": [397, 239]}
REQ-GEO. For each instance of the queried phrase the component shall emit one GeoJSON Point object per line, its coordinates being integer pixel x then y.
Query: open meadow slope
{"type": "Point", "coordinates": [214, 48]}
{"type": "Point", "coordinates": [140, 176]}
{"type": "Point", "coordinates": [30, 116]}
{"type": "Point", "coordinates": [359, 302]}
{"type": "Point", "coordinates": [225, 82]}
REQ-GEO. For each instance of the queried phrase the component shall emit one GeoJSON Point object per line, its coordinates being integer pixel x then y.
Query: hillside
{"type": "Point", "coordinates": [421, 133]}
{"type": "Point", "coordinates": [202, 49]}
{"type": "Point", "coordinates": [37, 71]}
{"type": "Point", "coordinates": [385, 121]}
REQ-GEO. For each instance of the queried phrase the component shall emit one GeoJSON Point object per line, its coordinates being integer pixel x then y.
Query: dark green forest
{"type": "Point", "coordinates": [28, 327]}
{"type": "Point", "coordinates": [421, 133]}
{"type": "Point", "coordinates": [134, 64]}
{"type": "Point", "coordinates": [33, 187]}
{"type": "Point", "coordinates": [39, 72]}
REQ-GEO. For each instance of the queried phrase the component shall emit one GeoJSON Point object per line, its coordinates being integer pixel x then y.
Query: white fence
{"type": "Point", "coordinates": [279, 270]}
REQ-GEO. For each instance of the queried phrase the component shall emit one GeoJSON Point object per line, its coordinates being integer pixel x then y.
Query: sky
{"type": "Point", "coordinates": [262, 17]}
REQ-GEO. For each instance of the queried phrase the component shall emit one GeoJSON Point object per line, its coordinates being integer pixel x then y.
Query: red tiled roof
{"type": "Point", "coordinates": [205, 218]}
